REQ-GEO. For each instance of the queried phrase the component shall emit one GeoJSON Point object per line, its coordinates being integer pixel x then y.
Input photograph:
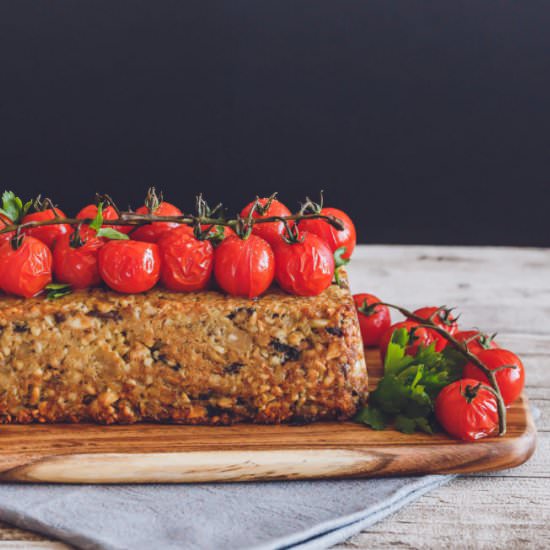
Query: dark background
{"type": "Point", "coordinates": [429, 122]}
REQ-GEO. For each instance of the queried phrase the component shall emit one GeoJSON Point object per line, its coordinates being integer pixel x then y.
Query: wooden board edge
{"type": "Point", "coordinates": [287, 464]}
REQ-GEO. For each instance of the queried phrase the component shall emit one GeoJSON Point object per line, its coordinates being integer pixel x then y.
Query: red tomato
{"type": "Point", "coordinates": [5, 221]}
{"type": "Point", "coordinates": [467, 411]}
{"type": "Point", "coordinates": [373, 322]}
{"type": "Point", "coordinates": [47, 233]}
{"type": "Point", "coordinates": [109, 213]}
{"type": "Point", "coordinates": [152, 232]}
{"type": "Point", "coordinates": [270, 232]}
{"type": "Point", "coordinates": [77, 265]}
{"type": "Point", "coordinates": [510, 381]}
{"type": "Point", "coordinates": [244, 267]}
{"type": "Point", "coordinates": [419, 336]}
{"type": "Point", "coordinates": [186, 261]}
{"type": "Point", "coordinates": [335, 239]}
{"type": "Point", "coordinates": [442, 318]}
{"type": "Point", "coordinates": [304, 268]}
{"type": "Point", "coordinates": [27, 270]}
{"type": "Point", "coordinates": [476, 341]}
{"type": "Point", "coordinates": [129, 266]}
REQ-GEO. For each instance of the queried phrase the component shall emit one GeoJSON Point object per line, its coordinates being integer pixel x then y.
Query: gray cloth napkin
{"type": "Point", "coordinates": [299, 514]}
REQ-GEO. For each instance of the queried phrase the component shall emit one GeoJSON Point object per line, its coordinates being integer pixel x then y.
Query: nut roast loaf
{"type": "Point", "coordinates": [191, 358]}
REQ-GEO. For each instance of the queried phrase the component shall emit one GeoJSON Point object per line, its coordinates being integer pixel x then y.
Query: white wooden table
{"type": "Point", "coordinates": [496, 289]}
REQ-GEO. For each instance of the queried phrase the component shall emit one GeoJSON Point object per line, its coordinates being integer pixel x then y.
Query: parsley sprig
{"type": "Point", "coordinates": [405, 396]}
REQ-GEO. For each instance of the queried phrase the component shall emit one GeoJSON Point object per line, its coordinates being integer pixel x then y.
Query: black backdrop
{"type": "Point", "coordinates": [429, 122]}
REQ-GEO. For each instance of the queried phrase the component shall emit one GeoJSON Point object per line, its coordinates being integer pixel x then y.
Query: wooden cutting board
{"type": "Point", "coordinates": [152, 453]}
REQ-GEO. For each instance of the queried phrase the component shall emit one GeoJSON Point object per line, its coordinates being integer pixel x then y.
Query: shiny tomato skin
{"type": "Point", "coordinates": [375, 324]}
{"type": "Point", "coordinates": [270, 232]}
{"type": "Point", "coordinates": [152, 232]}
{"type": "Point", "coordinates": [244, 267]}
{"type": "Point", "coordinates": [129, 266]}
{"type": "Point", "coordinates": [334, 238]}
{"type": "Point", "coordinates": [423, 337]}
{"type": "Point", "coordinates": [5, 221]}
{"type": "Point", "coordinates": [187, 262]}
{"type": "Point", "coordinates": [510, 381]}
{"type": "Point", "coordinates": [304, 268]}
{"type": "Point", "coordinates": [109, 213]}
{"type": "Point", "coordinates": [466, 417]}
{"type": "Point", "coordinates": [440, 319]}
{"type": "Point", "coordinates": [77, 266]}
{"type": "Point", "coordinates": [27, 270]}
{"type": "Point", "coordinates": [47, 233]}
{"type": "Point", "coordinates": [475, 340]}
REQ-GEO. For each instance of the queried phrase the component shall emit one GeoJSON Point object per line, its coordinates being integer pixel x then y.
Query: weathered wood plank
{"type": "Point", "coordinates": [468, 513]}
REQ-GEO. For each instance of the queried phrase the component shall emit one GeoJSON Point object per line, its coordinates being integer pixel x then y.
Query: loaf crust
{"type": "Point", "coordinates": [193, 358]}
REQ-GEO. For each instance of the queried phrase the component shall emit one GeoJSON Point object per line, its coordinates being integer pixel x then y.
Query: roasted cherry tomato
{"type": "Point", "coordinates": [109, 213]}
{"type": "Point", "coordinates": [5, 221]}
{"type": "Point", "coordinates": [46, 233]}
{"type": "Point", "coordinates": [305, 267]}
{"type": "Point", "coordinates": [510, 380]}
{"type": "Point", "coordinates": [419, 336]}
{"type": "Point", "coordinates": [75, 259]}
{"type": "Point", "coordinates": [270, 232]}
{"type": "Point", "coordinates": [244, 267]}
{"type": "Point", "coordinates": [334, 238]}
{"type": "Point", "coordinates": [475, 340]}
{"type": "Point", "coordinates": [25, 271]}
{"type": "Point", "coordinates": [443, 318]}
{"type": "Point", "coordinates": [186, 261]}
{"type": "Point", "coordinates": [152, 232]}
{"type": "Point", "coordinates": [466, 410]}
{"type": "Point", "coordinates": [374, 321]}
{"type": "Point", "coordinates": [129, 266]}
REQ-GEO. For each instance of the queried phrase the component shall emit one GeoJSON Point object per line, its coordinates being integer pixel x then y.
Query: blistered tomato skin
{"type": "Point", "coordinates": [304, 268]}
{"type": "Point", "coordinates": [186, 261]}
{"type": "Point", "coordinates": [467, 411]}
{"type": "Point", "coordinates": [270, 232]}
{"type": "Point", "coordinates": [77, 266]}
{"type": "Point", "coordinates": [129, 266]}
{"type": "Point", "coordinates": [27, 270]}
{"type": "Point", "coordinates": [244, 267]}
{"type": "Point", "coordinates": [46, 233]}
{"type": "Point", "coordinates": [333, 237]}
{"type": "Point", "coordinates": [374, 323]}
{"type": "Point", "coordinates": [510, 380]}
{"type": "Point", "coordinates": [109, 213]}
{"type": "Point", "coordinates": [152, 232]}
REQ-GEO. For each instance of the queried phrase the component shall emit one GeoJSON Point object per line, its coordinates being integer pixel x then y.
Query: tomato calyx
{"type": "Point", "coordinates": [291, 234]}
{"type": "Point", "coordinates": [17, 240]}
{"type": "Point", "coordinates": [41, 205]}
{"type": "Point", "coordinates": [444, 315]}
{"type": "Point", "coordinates": [153, 200]}
{"type": "Point", "coordinates": [470, 392]}
{"type": "Point", "coordinates": [75, 240]}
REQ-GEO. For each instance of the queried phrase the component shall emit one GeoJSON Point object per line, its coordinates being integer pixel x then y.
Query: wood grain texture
{"type": "Point", "coordinates": [152, 453]}
{"type": "Point", "coordinates": [502, 289]}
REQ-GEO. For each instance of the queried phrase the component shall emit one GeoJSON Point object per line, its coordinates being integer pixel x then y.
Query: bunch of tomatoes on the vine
{"type": "Point", "coordinates": [466, 408]}
{"type": "Point", "coordinates": [100, 246]}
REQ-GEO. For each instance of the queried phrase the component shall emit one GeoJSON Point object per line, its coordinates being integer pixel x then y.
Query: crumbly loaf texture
{"type": "Point", "coordinates": [197, 358]}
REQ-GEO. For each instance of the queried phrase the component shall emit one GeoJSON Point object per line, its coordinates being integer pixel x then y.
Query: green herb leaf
{"type": "Point", "coordinates": [57, 290]}
{"type": "Point", "coordinates": [110, 233]}
{"type": "Point", "coordinates": [373, 417]}
{"type": "Point", "coordinates": [407, 392]}
{"type": "Point", "coordinates": [97, 222]}
{"type": "Point", "coordinates": [12, 206]}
